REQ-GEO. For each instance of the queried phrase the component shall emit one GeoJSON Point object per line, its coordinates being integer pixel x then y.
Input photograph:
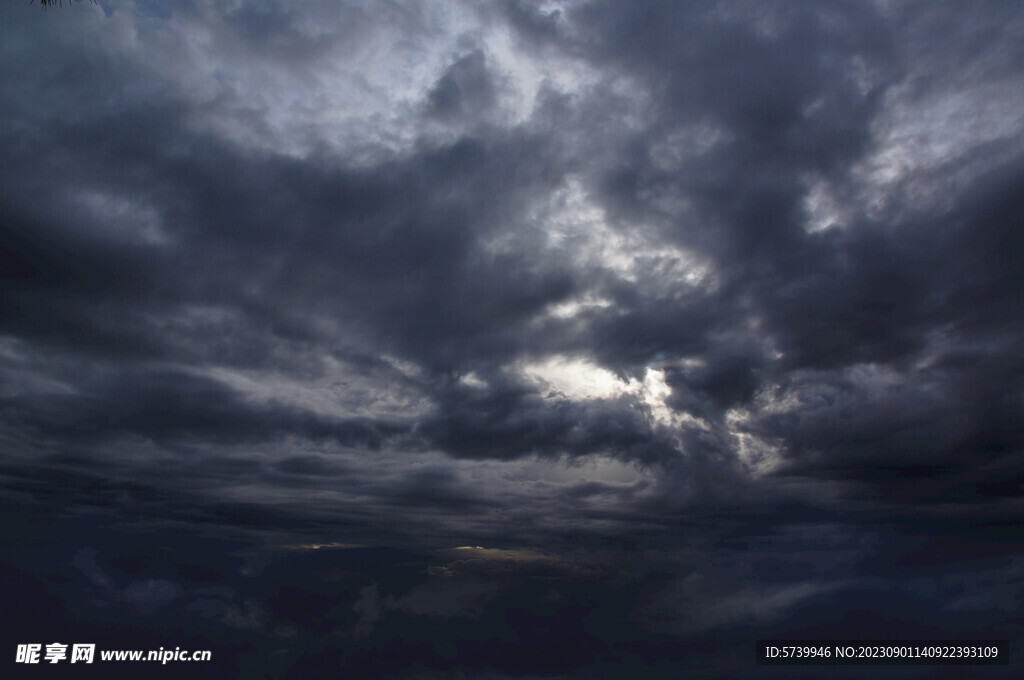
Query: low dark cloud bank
{"type": "Point", "coordinates": [511, 340]}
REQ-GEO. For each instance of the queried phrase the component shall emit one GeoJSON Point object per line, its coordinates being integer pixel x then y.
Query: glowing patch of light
{"type": "Point", "coordinates": [654, 392]}
{"type": "Point", "coordinates": [476, 552]}
{"type": "Point", "coordinates": [821, 209]}
{"type": "Point", "coordinates": [563, 377]}
{"type": "Point", "coordinates": [301, 547]}
{"type": "Point", "coordinates": [758, 455]}
{"type": "Point", "coordinates": [572, 308]}
{"type": "Point", "coordinates": [471, 379]}
{"type": "Point", "coordinates": [574, 378]}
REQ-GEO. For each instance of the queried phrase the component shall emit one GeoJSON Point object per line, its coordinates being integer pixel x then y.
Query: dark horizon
{"type": "Point", "coordinates": [532, 340]}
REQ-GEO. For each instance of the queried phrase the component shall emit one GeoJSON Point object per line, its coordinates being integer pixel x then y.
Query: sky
{"type": "Point", "coordinates": [511, 340]}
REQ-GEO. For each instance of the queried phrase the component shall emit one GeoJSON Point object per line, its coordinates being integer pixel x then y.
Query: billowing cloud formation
{"type": "Point", "coordinates": [706, 283]}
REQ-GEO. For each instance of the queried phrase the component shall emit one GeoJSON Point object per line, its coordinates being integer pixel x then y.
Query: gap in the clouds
{"type": "Point", "coordinates": [573, 378]}
{"type": "Point", "coordinates": [576, 378]}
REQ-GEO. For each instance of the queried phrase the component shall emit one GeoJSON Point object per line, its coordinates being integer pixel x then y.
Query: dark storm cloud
{"type": "Point", "coordinates": [393, 246]}
{"type": "Point", "coordinates": [735, 287]}
{"type": "Point", "coordinates": [167, 406]}
{"type": "Point", "coordinates": [513, 421]}
{"type": "Point", "coordinates": [465, 87]}
{"type": "Point", "coordinates": [724, 381]}
{"type": "Point", "coordinates": [941, 427]}
{"type": "Point", "coordinates": [795, 94]}
{"type": "Point", "coordinates": [154, 249]}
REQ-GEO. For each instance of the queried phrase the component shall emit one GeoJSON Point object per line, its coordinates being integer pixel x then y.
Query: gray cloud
{"type": "Point", "coordinates": [569, 276]}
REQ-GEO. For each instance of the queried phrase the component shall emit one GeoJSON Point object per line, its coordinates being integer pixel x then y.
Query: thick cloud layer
{"type": "Point", "coordinates": [703, 320]}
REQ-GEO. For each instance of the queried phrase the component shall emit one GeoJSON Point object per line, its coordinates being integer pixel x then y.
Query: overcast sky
{"type": "Point", "coordinates": [704, 321]}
